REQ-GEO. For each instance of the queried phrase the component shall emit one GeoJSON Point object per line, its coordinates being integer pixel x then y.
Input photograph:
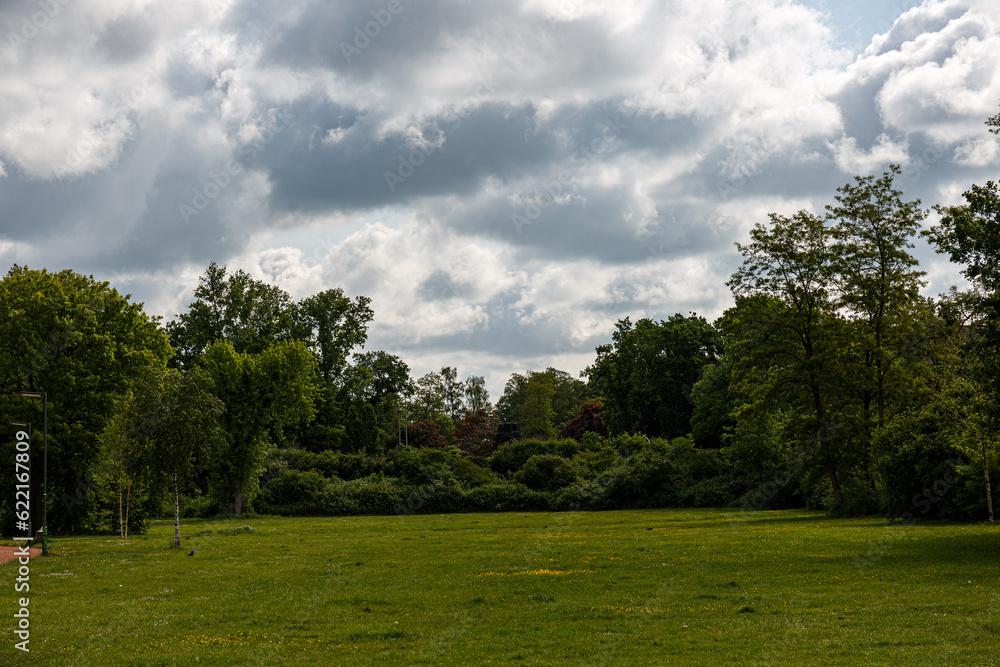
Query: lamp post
{"type": "Point", "coordinates": [45, 465]}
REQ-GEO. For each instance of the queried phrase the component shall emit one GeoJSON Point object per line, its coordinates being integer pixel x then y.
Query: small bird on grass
{"type": "Point", "coordinates": [192, 553]}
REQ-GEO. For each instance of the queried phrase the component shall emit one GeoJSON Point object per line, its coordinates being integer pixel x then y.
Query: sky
{"type": "Point", "coordinates": [505, 179]}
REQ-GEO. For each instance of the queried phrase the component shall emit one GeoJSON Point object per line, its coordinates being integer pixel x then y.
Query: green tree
{"type": "Point", "coordinates": [646, 374]}
{"type": "Point", "coordinates": [362, 432]}
{"type": "Point", "coordinates": [454, 392]}
{"type": "Point", "coordinates": [381, 376]}
{"type": "Point", "coordinates": [428, 403]}
{"type": "Point", "coordinates": [333, 325]}
{"type": "Point", "coordinates": [81, 342]}
{"type": "Point", "coordinates": [568, 392]}
{"type": "Point", "coordinates": [263, 394]}
{"type": "Point", "coordinates": [477, 397]}
{"type": "Point", "coordinates": [536, 413]}
{"type": "Point", "coordinates": [253, 315]}
{"type": "Point", "coordinates": [238, 308]}
{"type": "Point", "coordinates": [878, 281]}
{"type": "Point", "coordinates": [169, 421]}
{"type": "Point", "coordinates": [791, 322]}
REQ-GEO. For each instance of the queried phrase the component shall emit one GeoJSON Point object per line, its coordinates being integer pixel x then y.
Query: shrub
{"type": "Point", "coordinates": [504, 497]}
{"type": "Point", "coordinates": [295, 492]}
{"type": "Point", "coordinates": [923, 476]}
{"type": "Point", "coordinates": [645, 481]}
{"type": "Point", "coordinates": [372, 495]}
{"type": "Point", "coordinates": [511, 456]}
{"type": "Point", "coordinates": [546, 472]}
{"type": "Point", "coordinates": [470, 472]}
{"type": "Point", "coordinates": [581, 495]}
{"type": "Point", "coordinates": [592, 463]}
{"type": "Point", "coordinates": [420, 466]}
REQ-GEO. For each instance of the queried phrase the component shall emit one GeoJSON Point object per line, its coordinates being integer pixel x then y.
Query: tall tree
{"type": "Point", "coordinates": [236, 307]}
{"type": "Point", "coordinates": [263, 394]}
{"type": "Point", "coordinates": [878, 280]}
{"type": "Point", "coordinates": [253, 315]}
{"type": "Point", "coordinates": [333, 325]}
{"type": "Point", "coordinates": [788, 268]}
{"type": "Point", "coordinates": [454, 392]}
{"type": "Point", "coordinates": [970, 235]}
{"type": "Point", "coordinates": [81, 342]}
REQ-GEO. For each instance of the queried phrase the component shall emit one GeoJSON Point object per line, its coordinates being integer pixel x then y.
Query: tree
{"type": "Point", "coordinates": [588, 420]}
{"type": "Point", "coordinates": [476, 395]}
{"type": "Point", "coordinates": [253, 315]}
{"type": "Point", "coordinates": [262, 394]}
{"type": "Point", "coordinates": [380, 376]}
{"type": "Point", "coordinates": [787, 273]}
{"type": "Point", "coordinates": [170, 419]}
{"type": "Point", "coordinates": [428, 400]}
{"type": "Point", "coordinates": [877, 278]}
{"type": "Point", "coordinates": [536, 413]}
{"type": "Point", "coordinates": [121, 464]}
{"type": "Point", "coordinates": [646, 374]}
{"type": "Point", "coordinates": [238, 308]}
{"type": "Point", "coordinates": [81, 342]}
{"type": "Point", "coordinates": [453, 391]}
{"type": "Point", "coordinates": [362, 433]}
{"type": "Point", "coordinates": [333, 325]}
{"type": "Point", "coordinates": [567, 392]}
{"type": "Point", "coordinates": [476, 433]}
{"type": "Point", "coordinates": [970, 235]}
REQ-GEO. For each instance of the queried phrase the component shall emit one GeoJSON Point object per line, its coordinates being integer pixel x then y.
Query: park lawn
{"type": "Point", "coordinates": [625, 587]}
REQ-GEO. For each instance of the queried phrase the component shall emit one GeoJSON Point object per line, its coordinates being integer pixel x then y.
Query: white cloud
{"type": "Point", "coordinates": [854, 160]}
{"type": "Point", "coordinates": [678, 125]}
{"type": "Point", "coordinates": [979, 152]}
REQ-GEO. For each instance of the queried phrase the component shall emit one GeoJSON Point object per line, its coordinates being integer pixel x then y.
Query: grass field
{"type": "Point", "coordinates": [628, 587]}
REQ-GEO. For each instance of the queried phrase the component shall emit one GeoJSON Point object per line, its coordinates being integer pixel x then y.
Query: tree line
{"type": "Point", "coordinates": [831, 383]}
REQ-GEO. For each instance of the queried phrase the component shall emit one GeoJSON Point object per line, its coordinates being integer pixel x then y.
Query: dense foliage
{"type": "Point", "coordinates": [831, 383]}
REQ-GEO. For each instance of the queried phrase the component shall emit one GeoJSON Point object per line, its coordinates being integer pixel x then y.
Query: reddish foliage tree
{"type": "Point", "coordinates": [427, 434]}
{"type": "Point", "coordinates": [588, 418]}
{"type": "Point", "coordinates": [476, 434]}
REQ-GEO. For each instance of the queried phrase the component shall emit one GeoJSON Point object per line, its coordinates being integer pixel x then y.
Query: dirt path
{"type": "Point", "coordinates": [8, 553]}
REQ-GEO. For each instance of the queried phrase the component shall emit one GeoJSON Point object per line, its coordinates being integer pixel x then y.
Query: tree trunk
{"type": "Point", "coordinates": [237, 506]}
{"type": "Point", "coordinates": [121, 519]}
{"type": "Point", "coordinates": [177, 514]}
{"type": "Point", "coordinates": [824, 443]}
{"type": "Point", "coordinates": [128, 497]}
{"type": "Point", "coordinates": [986, 467]}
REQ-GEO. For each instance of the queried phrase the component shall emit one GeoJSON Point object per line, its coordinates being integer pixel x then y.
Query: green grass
{"type": "Point", "coordinates": [629, 588]}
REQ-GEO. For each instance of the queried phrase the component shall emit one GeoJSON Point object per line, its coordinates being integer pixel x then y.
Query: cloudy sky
{"type": "Point", "coordinates": [505, 179]}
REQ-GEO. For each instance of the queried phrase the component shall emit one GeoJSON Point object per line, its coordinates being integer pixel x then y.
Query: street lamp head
{"type": "Point", "coordinates": [33, 394]}
{"type": "Point", "coordinates": [21, 424]}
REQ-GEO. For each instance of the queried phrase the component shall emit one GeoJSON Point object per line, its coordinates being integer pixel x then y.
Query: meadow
{"type": "Point", "coordinates": [597, 588]}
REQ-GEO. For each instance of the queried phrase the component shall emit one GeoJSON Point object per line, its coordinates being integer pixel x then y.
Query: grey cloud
{"type": "Point", "coordinates": [360, 171]}
{"type": "Point", "coordinates": [126, 38]}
